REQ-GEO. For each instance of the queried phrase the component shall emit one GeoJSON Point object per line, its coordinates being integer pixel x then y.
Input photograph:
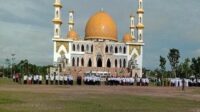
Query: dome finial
{"type": "Point", "coordinates": [102, 9]}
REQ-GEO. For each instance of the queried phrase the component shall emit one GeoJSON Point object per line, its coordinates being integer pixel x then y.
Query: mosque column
{"type": "Point", "coordinates": [57, 19]}
{"type": "Point", "coordinates": [132, 27]}
{"type": "Point", "coordinates": [140, 25]}
{"type": "Point", "coordinates": [71, 21]}
{"type": "Point", "coordinates": [57, 26]}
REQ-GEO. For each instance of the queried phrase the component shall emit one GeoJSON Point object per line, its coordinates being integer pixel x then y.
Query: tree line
{"type": "Point", "coordinates": [186, 69]}
{"type": "Point", "coordinates": [23, 67]}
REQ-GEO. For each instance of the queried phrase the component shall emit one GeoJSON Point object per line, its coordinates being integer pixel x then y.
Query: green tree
{"type": "Point", "coordinates": [186, 68]}
{"type": "Point", "coordinates": [163, 68]}
{"type": "Point", "coordinates": [195, 66]}
{"type": "Point", "coordinates": [173, 57]}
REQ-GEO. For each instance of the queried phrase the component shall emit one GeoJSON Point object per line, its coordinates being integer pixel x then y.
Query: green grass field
{"type": "Point", "coordinates": [28, 98]}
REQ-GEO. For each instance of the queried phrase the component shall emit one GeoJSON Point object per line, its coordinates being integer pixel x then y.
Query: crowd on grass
{"type": "Point", "coordinates": [56, 79]}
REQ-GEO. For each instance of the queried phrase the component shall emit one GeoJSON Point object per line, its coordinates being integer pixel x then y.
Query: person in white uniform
{"type": "Point", "coordinates": [61, 80]}
{"type": "Point", "coordinates": [47, 79]}
{"type": "Point", "coordinates": [40, 79]}
{"type": "Point", "coordinates": [52, 79]}
{"type": "Point", "coordinates": [57, 79]}
{"type": "Point", "coordinates": [25, 79]}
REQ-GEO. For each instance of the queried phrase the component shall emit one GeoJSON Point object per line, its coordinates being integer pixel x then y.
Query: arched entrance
{"type": "Point", "coordinates": [90, 63]}
{"type": "Point", "coordinates": [108, 63]}
{"type": "Point", "coordinates": [99, 61]}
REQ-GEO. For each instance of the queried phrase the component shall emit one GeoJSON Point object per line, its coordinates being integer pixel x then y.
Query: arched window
{"type": "Point", "coordinates": [77, 61]}
{"type": "Point", "coordinates": [116, 49]}
{"type": "Point", "coordinates": [92, 48]}
{"type": "Point", "coordinates": [82, 62]}
{"type": "Point", "coordinates": [111, 49]}
{"type": "Point", "coordinates": [74, 47]}
{"type": "Point", "coordinates": [106, 49]}
{"type": "Point", "coordinates": [124, 50]}
{"type": "Point", "coordinates": [73, 62]}
{"type": "Point", "coordinates": [140, 5]}
{"type": "Point", "coordinates": [56, 31]}
{"type": "Point", "coordinates": [90, 63]}
{"type": "Point", "coordinates": [140, 36]}
{"type": "Point", "coordinates": [78, 47]}
{"type": "Point", "coordinates": [120, 49]}
{"type": "Point", "coordinates": [140, 20]}
{"type": "Point", "coordinates": [115, 62]}
{"type": "Point", "coordinates": [56, 14]}
{"type": "Point", "coordinates": [120, 63]}
{"type": "Point", "coordinates": [108, 63]}
{"type": "Point", "coordinates": [87, 47]}
{"type": "Point", "coordinates": [124, 63]}
{"type": "Point", "coordinates": [82, 48]}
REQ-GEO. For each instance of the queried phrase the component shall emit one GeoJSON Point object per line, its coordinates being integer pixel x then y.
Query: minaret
{"type": "Point", "coordinates": [71, 21]}
{"type": "Point", "coordinates": [57, 19]}
{"type": "Point", "coordinates": [132, 26]}
{"type": "Point", "coordinates": [140, 25]}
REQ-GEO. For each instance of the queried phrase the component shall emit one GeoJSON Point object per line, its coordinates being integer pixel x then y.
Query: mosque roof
{"type": "Point", "coordinates": [101, 26]}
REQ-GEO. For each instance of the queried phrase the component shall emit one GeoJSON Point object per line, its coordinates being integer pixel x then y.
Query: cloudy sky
{"type": "Point", "coordinates": [26, 28]}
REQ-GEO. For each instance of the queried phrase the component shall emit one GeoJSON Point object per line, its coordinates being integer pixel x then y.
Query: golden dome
{"type": "Point", "coordinates": [101, 26]}
{"type": "Point", "coordinates": [127, 38]}
{"type": "Point", "coordinates": [72, 35]}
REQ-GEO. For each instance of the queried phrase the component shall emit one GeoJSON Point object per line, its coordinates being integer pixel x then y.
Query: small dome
{"type": "Point", "coordinates": [72, 35]}
{"type": "Point", "coordinates": [101, 26]}
{"type": "Point", "coordinates": [127, 38]}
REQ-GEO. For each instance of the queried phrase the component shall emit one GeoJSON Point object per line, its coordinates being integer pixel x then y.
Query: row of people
{"type": "Point", "coordinates": [49, 79]}
{"type": "Point", "coordinates": [142, 81]}
{"type": "Point", "coordinates": [92, 80]}
{"type": "Point", "coordinates": [59, 79]}
{"type": "Point", "coordinates": [32, 79]}
{"type": "Point", "coordinates": [177, 82]}
{"type": "Point", "coordinates": [120, 81]}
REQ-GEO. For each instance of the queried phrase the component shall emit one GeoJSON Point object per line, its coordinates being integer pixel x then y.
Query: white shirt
{"type": "Point", "coordinates": [52, 77]}
{"type": "Point", "coordinates": [61, 78]}
{"type": "Point", "coordinates": [30, 77]}
{"type": "Point", "coordinates": [37, 77]}
{"type": "Point", "coordinates": [25, 77]}
{"type": "Point", "coordinates": [47, 77]}
{"type": "Point", "coordinates": [34, 77]}
{"type": "Point", "coordinates": [40, 77]}
{"type": "Point", "coordinates": [65, 78]}
{"type": "Point", "coordinates": [57, 77]}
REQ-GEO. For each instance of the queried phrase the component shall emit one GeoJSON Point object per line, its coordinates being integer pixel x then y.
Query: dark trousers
{"type": "Point", "coordinates": [56, 82]}
{"type": "Point", "coordinates": [25, 81]}
{"type": "Point", "coordinates": [51, 82]}
{"type": "Point", "coordinates": [47, 82]}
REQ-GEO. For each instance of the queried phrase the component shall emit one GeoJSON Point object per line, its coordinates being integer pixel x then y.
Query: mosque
{"type": "Point", "coordinates": [99, 49]}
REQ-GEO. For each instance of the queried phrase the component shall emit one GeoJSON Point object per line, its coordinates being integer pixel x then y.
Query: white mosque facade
{"type": "Point", "coordinates": [99, 49]}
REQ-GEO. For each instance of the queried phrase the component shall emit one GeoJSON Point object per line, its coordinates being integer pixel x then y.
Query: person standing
{"type": "Point", "coordinates": [40, 79]}
{"type": "Point", "coordinates": [52, 79]}
{"type": "Point", "coordinates": [47, 79]}
{"type": "Point", "coordinates": [30, 79]}
{"type": "Point", "coordinates": [25, 79]}
{"type": "Point", "coordinates": [65, 79]}
{"type": "Point", "coordinates": [57, 79]}
{"type": "Point", "coordinates": [61, 80]}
